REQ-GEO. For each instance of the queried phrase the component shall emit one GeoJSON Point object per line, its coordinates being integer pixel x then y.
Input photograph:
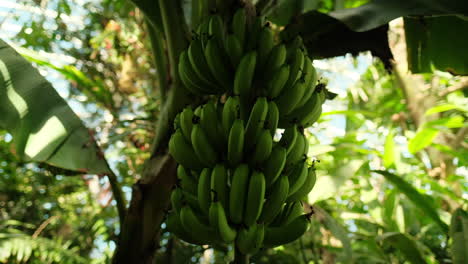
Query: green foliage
{"type": "Point", "coordinates": [360, 216]}
{"type": "Point", "coordinates": [44, 128]}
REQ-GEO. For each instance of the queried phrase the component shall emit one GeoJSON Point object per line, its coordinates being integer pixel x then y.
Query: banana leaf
{"type": "Point", "coordinates": [44, 128]}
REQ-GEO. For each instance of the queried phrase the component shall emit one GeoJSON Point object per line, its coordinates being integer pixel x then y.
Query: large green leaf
{"type": "Point", "coordinates": [380, 12]}
{"type": "Point", "coordinates": [414, 196]}
{"type": "Point", "coordinates": [437, 42]}
{"type": "Point", "coordinates": [43, 126]}
{"type": "Point", "coordinates": [406, 245]}
{"type": "Point", "coordinates": [459, 234]}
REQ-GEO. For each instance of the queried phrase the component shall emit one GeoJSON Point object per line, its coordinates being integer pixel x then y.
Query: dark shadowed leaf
{"type": "Point", "coordinates": [437, 42]}
{"type": "Point", "coordinates": [43, 126]}
{"type": "Point", "coordinates": [414, 196]}
{"type": "Point", "coordinates": [324, 36]}
{"type": "Point", "coordinates": [380, 12]}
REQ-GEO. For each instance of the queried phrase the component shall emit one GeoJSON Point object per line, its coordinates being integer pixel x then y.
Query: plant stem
{"type": "Point", "coordinates": [118, 196]}
{"type": "Point", "coordinates": [159, 57]}
{"type": "Point", "coordinates": [240, 258]}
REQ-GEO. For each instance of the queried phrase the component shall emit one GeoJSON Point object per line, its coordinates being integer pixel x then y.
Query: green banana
{"type": "Point", "coordinates": [266, 43]}
{"type": "Point", "coordinates": [187, 181]}
{"type": "Point", "coordinates": [175, 226]}
{"type": "Point", "coordinates": [210, 124]}
{"type": "Point", "coordinates": [308, 113]}
{"type": "Point", "coordinates": [219, 188]}
{"type": "Point", "coordinates": [177, 199]}
{"type": "Point", "coordinates": [289, 137]}
{"type": "Point", "coordinates": [275, 236]}
{"type": "Point", "coordinates": [198, 61]}
{"type": "Point", "coordinates": [189, 77]}
{"type": "Point", "coordinates": [297, 63]}
{"type": "Point", "coordinates": [236, 143]}
{"type": "Point", "coordinates": [203, 147]}
{"type": "Point", "coordinates": [256, 120]}
{"type": "Point", "coordinates": [231, 112]}
{"type": "Point", "coordinates": [186, 123]}
{"type": "Point", "coordinates": [244, 74]}
{"type": "Point", "coordinates": [234, 49]}
{"type": "Point", "coordinates": [183, 152]}
{"type": "Point", "coordinates": [277, 82]}
{"type": "Point", "coordinates": [288, 100]}
{"type": "Point", "coordinates": [310, 78]}
{"type": "Point", "coordinates": [204, 190]}
{"type": "Point", "coordinates": [295, 210]}
{"type": "Point", "coordinates": [275, 200]}
{"type": "Point", "coordinates": [274, 165]}
{"type": "Point", "coordinates": [263, 147]}
{"type": "Point", "coordinates": [237, 193]}
{"type": "Point", "coordinates": [298, 151]}
{"type": "Point", "coordinates": [216, 28]}
{"type": "Point", "coordinates": [276, 58]}
{"type": "Point", "coordinates": [255, 198]}
{"type": "Point", "coordinates": [177, 122]}
{"type": "Point", "coordinates": [215, 57]}
{"type": "Point", "coordinates": [239, 25]}
{"type": "Point", "coordinates": [306, 187]}
{"type": "Point", "coordinates": [202, 31]}
{"type": "Point", "coordinates": [227, 233]}
{"type": "Point", "coordinates": [191, 200]}
{"type": "Point", "coordinates": [289, 212]}
{"type": "Point", "coordinates": [272, 118]}
{"type": "Point", "coordinates": [296, 44]}
{"type": "Point", "coordinates": [249, 240]}
{"type": "Point", "coordinates": [195, 226]}
{"type": "Point", "coordinates": [297, 177]}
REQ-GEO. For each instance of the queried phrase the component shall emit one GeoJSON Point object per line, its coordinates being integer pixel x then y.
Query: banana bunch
{"type": "Point", "coordinates": [236, 183]}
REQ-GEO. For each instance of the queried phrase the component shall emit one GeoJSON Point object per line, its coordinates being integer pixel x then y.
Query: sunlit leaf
{"type": "Point", "coordinates": [43, 126]}
{"type": "Point", "coordinates": [351, 113]}
{"type": "Point", "coordinates": [447, 122]}
{"type": "Point", "coordinates": [414, 196]}
{"type": "Point", "coordinates": [330, 184]}
{"type": "Point", "coordinates": [389, 150]}
{"type": "Point", "coordinates": [443, 108]}
{"type": "Point", "coordinates": [422, 139]}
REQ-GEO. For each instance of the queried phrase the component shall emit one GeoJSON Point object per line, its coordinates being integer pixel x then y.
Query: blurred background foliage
{"type": "Point", "coordinates": [391, 149]}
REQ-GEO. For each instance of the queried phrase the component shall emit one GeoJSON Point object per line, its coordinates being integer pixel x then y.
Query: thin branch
{"type": "Point", "coordinates": [462, 85]}
{"type": "Point", "coordinates": [160, 58]}
{"type": "Point", "coordinates": [43, 226]}
{"type": "Point", "coordinates": [459, 137]}
{"type": "Point", "coordinates": [118, 196]}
